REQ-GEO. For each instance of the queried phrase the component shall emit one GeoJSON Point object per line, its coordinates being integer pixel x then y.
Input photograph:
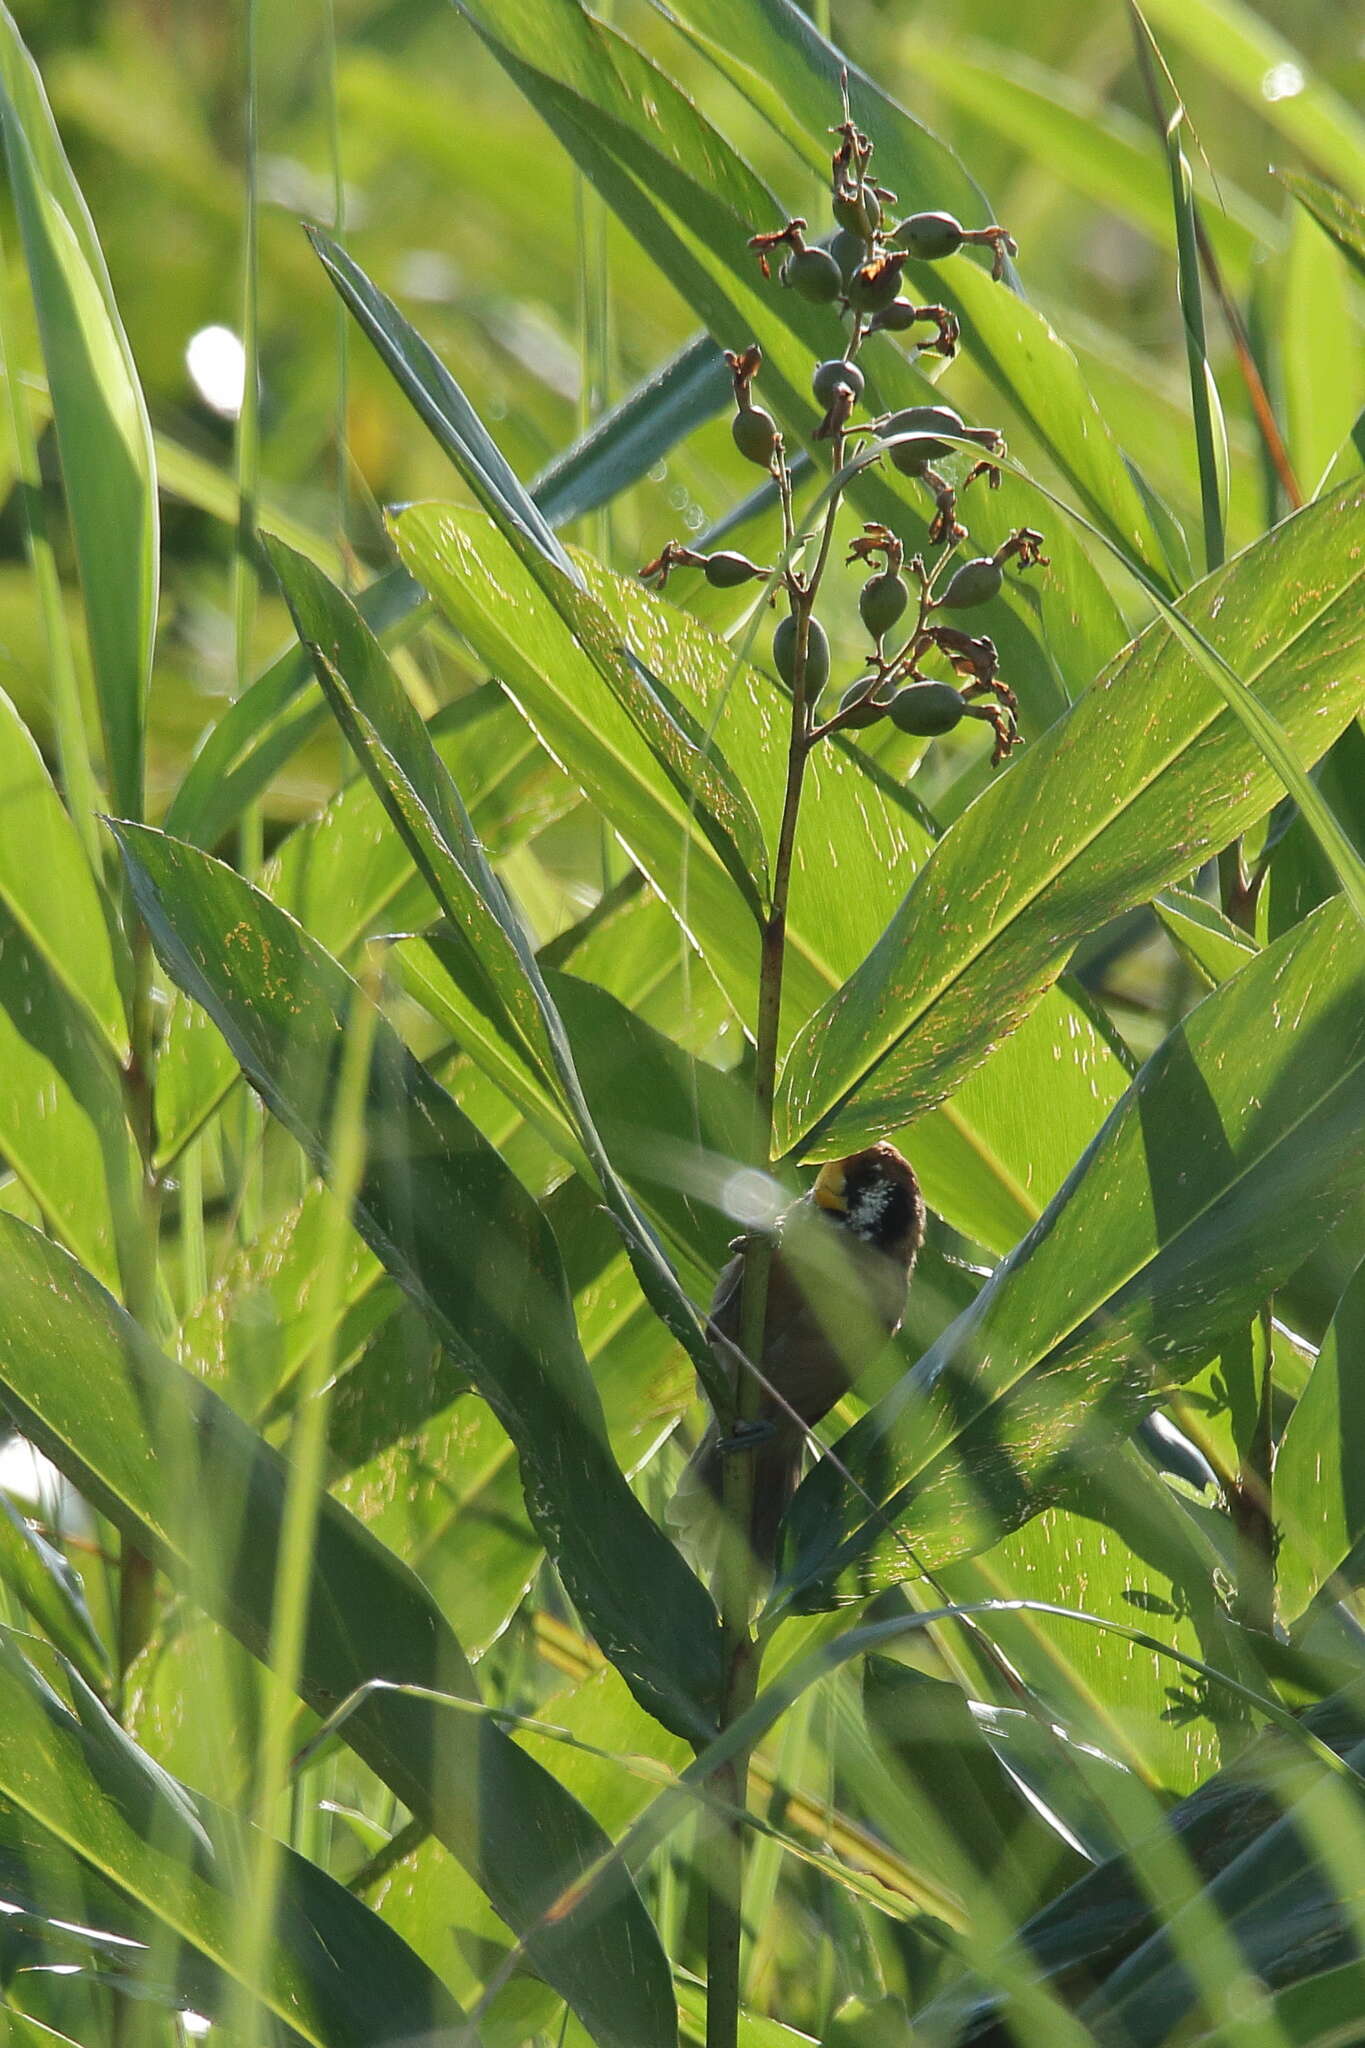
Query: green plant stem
{"type": "Point", "coordinates": [737, 1580]}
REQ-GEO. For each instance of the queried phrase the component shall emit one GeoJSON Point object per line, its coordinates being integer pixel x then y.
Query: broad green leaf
{"type": "Point", "coordinates": [337, 1976]}
{"type": "Point", "coordinates": [345, 874]}
{"type": "Point", "coordinates": [468, 566]}
{"type": "Point", "coordinates": [47, 887]}
{"type": "Point", "coordinates": [1106, 1693]}
{"type": "Point", "coordinates": [1234, 1150]}
{"type": "Point", "coordinates": [64, 1126]}
{"type": "Point", "coordinates": [927, 1730]}
{"type": "Point", "coordinates": [1337, 215]}
{"type": "Point", "coordinates": [45, 1585]}
{"type": "Point", "coordinates": [690, 388]}
{"type": "Point", "coordinates": [203, 1495]}
{"type": "Point", "coordinates": [1319, 1492]}
{"type": "Point", "coordinates": [1029, 366]}
{"type": "Point", "coordinates": [102, 428]}
{"type": "Point", "coordinates": [1290, 1911]}
{"type": "Point", "coordinates": [250, 1334]}
{"type": "Point", "coordinates": [503, 1310]}
{"type": "Point", "coordinates": [1146, 774]}
{"type": "Point", "coordinates": [675, 1128]}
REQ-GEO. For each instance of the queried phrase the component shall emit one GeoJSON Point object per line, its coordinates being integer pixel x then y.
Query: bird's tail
{"type": "Point", "coordinates": [695, 1510]}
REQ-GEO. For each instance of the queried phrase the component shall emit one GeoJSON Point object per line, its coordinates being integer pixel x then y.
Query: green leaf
{"type": "Point", "coordinates": [47, 887]}
{"type": "Point", "coordinates": [686, 391]}
{"type": "Point", "coordinates": [203, 1495]}
{"type": "Point", "coordinates": [1110, 806]}
{"type": "Point", "coordinates": [1093, 145]}
{"type": "Point", "coordinates": [102, 428]}
{"type": "Point", "coordinates": [63, 1123]}
{"type": "Point", "coordinates": [337, 1976]}
{"type": "Point", "coordinates": [1337, 215]}
{"type": "Point", "coordinates": [45, 1585]}
{"type": "Point", "coordinates": [1220, 1170]}
{"type": "Point", "coordinates": [1321, 355]}
{"type": "Point", "coordinates": [502, 1309]}
{"type": "Point", "coordinates": [1214, 946]}
{"type": "Point", "coordinates": [1319, 1496]}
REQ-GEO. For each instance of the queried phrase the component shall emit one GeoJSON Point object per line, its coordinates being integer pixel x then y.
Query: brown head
{"type": "Point", "coordinates": [877, 1197]}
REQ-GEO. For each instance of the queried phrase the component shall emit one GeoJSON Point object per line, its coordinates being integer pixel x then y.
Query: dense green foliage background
{"type": "Point", "coordinates": [352, 1689]}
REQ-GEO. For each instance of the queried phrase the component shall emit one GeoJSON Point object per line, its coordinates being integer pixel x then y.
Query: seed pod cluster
{"type": "Point", "coordinates": [862, 270]}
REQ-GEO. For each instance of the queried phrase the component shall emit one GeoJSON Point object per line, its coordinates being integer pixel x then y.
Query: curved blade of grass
{"type": "Point", "coordinates": [203, 1495]}
{"type": "Point", "coordinates": [1210, 436]}
{"type": "Point", "coordinates": [336, 1975]}
{"type": "Point", "coordinates": [1233, 1152]}
{"type": "Point", "coordinates": [103, 431]}
{"type": "Point", "coordinates": [462, 1237]}
{"type": "Point", "coordinates": [1128, 791]}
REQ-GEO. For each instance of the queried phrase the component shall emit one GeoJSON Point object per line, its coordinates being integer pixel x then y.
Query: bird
{"type": "Point", "coordinates": [837, 1288]}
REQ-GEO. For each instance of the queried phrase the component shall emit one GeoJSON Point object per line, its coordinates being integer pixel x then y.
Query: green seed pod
{"type": "Point", "coordinates": [976, 582]}
{"type": "Point", "coordinates": [862, 220]}
{"type": "Point", "coordinates": [726, 571]}
{"type": "Point", "coordinates": [755, 434]}
{"type": "Point", "coordinates": [927, 709]}
{"type": "Point", "coordinates": [814, 275]}
{"type": "Point", "coordinates": [827, 378]}
{"type": "Point", "coordinates": [929, 237]}
{"type": "Point", "coordinates": [881, 601]}
{"type": "Point", "coordinates": [849, 252]}
{"type": "Point", "coordinates": [876, 706]}
{"type": "Point", "coordinates": [912, 457]}
{"type": "Point", "coordinates": [895, 318]}
{"type": "Point", "coordinates": [817, 655]}
{"type": "Point", "coordinates": [874, 285]}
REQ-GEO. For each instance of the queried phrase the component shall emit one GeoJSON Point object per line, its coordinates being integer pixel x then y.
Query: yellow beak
{"type": "Point", "coordinates": [829, 1187]}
